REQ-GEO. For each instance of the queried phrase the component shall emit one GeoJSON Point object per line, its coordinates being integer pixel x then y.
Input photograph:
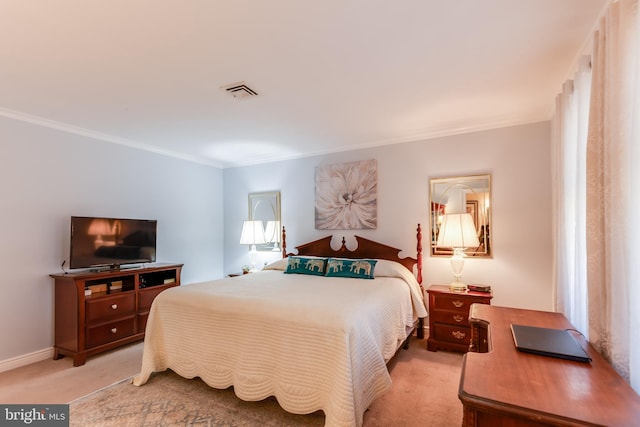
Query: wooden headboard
{"type": "Point", "coordinates": [365, 249]}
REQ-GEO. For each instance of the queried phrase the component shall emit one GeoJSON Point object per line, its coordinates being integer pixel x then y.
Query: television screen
{"type": "Point", "coordinates": [111, 242]}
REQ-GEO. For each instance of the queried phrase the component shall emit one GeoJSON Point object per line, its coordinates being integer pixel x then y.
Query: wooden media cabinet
{"type": "Point", "coordinates": [113, 314]}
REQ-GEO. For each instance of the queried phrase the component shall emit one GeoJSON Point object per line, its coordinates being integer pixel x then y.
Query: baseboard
{"type": "Point", "coordinates": [26, 359]}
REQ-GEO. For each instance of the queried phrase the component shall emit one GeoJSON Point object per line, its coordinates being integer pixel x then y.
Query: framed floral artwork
{"type": "Point", "coordinates": [346, 196]}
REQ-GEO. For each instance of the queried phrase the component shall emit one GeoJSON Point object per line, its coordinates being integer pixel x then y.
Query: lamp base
{"type": "Point", "coordinates": [457, 286]}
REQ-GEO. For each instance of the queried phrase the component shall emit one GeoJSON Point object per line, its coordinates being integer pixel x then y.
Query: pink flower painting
{"type": "Point", "coordinates": [346, 196]}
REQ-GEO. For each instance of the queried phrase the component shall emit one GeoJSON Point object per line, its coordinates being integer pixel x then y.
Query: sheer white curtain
{"type": "Point", "coordinates": [570, 125]}
{"type": "Point", "coordinates": [610, 291]}
{"type": "Point", "coordinates": [612, 249]}
{"type": "Point", "coordinates": [634, 227]}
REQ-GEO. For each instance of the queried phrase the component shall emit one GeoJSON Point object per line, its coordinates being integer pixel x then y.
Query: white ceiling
{"type": "Point", "coordinates": [331, 75]}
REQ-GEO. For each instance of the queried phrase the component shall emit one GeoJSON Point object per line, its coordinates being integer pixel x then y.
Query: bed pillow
{"type": "Point", "coordinates": [356, 268]}
{"type": "Point", "coordinates": [280, 264]}
{"type": "Point", "coordinates": [306, 265]}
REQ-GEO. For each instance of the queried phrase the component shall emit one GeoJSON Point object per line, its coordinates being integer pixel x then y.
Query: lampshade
{"type": "Point", "coordinates": [272, 234]}
{"type": "Point", "coordinates": [252, 233]}
{"type": "Point", "coordinates": [99, 227]}
{"type": "Point", "coordinates": [457, 231]}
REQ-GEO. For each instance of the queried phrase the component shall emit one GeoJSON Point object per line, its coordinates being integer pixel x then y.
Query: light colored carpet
{"type": "Point", "coordinates": [424, 393]}
{"type": "Point", "coordinates": [58, 381]}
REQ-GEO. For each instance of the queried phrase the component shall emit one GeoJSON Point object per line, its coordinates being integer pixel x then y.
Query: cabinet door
{"type": "Point", "coordinates": [147, 295]}
{"type": "Point", "coordinates": [145, 299]}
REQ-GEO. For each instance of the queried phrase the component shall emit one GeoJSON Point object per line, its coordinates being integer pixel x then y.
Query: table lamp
{"type": "Point", "coordinates": [272, 234]}
{"type": "Point", "coordinates": [458, 232]}
{"type": "Point", "coordinates": [252, 234]}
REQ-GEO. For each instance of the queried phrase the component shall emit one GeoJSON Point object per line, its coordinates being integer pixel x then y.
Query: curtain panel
{"type": "Point", "coordinates": [611, 145]}
{"type": "Point", "coordinates": [596, 159]}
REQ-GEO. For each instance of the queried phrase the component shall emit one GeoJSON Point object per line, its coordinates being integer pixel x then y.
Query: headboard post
{"type": "Point", "coordinates": [419, 255]}
{"type": "Point", "coordinates": [284, 242]}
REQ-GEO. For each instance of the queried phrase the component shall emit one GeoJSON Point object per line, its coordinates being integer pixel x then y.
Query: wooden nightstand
{"type": "Point", "coordinates": [449, 317]}
{"type": "Point", "coordinates": [236, 274]}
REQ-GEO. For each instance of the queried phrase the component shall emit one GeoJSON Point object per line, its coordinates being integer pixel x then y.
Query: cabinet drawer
{"type": "Point", "coordinates": [105, 333]}
{"type": "Point", "coordinates": [450, 317]}
{"type": "Point", "coordinates": [147, 295]}
{"type": "Point", "coordinates": [460, 303]}
{"type": "Point", "coordinates": [108, 308]}
{"type": "Point", "coordinates": [453, 334]}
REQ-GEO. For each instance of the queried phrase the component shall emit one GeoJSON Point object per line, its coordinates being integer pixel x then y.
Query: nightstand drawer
{"type": "Point", "coordinates": [453, 302]}
{"type": "Point", "coordinates": [449, 317]}
{"type": "Point", "coordinates": [453, 334]}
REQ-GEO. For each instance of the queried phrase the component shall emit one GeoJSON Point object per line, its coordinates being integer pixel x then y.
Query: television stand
{"type": "Point", "coordinates": [114, 313]}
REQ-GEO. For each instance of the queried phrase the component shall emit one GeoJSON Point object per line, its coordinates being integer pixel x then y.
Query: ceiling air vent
{"type": "Point", "coordinates": [240, 90]}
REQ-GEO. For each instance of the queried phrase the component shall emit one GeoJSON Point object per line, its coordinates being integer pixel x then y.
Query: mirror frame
{"type": "Point", "coordinates": [477, 198]}
{"type": "Point", "coordinates": [265, 207]}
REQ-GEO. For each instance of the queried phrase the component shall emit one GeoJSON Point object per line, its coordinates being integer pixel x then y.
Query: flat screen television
{"type": "Point", "coordinates": [111, 242]}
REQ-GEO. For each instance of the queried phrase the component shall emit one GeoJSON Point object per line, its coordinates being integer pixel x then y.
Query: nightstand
{"type": "Point", "coordinates": [449, 317]}
{"type": "Point", "coordinates": [235, 274]}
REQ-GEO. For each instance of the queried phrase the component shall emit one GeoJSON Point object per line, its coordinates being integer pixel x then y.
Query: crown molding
{"type": "Point", "coordinates": [77, 130]}
{"type": "Point", "coordinates": [423, 135]}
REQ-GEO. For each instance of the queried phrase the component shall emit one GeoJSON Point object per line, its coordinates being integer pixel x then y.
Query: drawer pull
{"type": "Point", "coordinates": [114, 330]}
{"type": "Point", "coordinates": [458, 335]}
{"type": "Point", "coordinates": [457, 304]}
{"type": "Point", "coordinates": [114, 306]}
{"type": "Point", "coordinates": [458, 318]}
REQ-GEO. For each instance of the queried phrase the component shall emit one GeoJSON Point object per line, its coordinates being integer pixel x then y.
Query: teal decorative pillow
{"type": "Point", "coordinates": [306, 265]}
{"type": "Point", "coordinates": [357, 268]}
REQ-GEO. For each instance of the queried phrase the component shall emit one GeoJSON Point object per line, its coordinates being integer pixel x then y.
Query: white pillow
{"type": "Point", "coordinates": [280, 264]}
{"type": "Point", "coordinates": [386, 268]}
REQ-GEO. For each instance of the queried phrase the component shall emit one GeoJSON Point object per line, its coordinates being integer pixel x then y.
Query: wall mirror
{"type": "Point", "coordinates": [471, 194]}
{"type": "Point", "coordinates": [265, 207]}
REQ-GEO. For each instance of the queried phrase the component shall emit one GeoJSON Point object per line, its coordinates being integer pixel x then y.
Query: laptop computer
{"type": "Point", "coordinates": [548, 342]}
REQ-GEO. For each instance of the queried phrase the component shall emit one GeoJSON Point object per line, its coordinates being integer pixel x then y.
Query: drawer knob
{"type": "Point", "coordinates": [114, 330]}
{"type": "Point", "coordinates": [458, 335]}
{"type": "Point", "coordinates": [458, 304]}
{"type": "Point", "coordinates": [114, 306]}
{"type": "Point", "coordinates": [458, 318]}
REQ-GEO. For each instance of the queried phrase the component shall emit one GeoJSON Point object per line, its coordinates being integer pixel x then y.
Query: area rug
{"type": "Point", "coordinates": [424, 393]}
{"type": "Point", "coordinates": [170, 400]}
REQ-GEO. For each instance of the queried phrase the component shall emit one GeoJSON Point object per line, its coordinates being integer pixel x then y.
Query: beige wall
{"type": "Point", "coordinates": [47, 176]}
{"type": "Point", "coordinates": [518, 158]}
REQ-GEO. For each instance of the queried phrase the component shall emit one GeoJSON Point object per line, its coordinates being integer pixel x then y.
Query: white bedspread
{"type": "Point", "coordinates": [312, 342]}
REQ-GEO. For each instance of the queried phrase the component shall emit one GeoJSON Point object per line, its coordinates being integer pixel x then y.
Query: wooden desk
{"type": "Point", "coordinates": [505, 387]}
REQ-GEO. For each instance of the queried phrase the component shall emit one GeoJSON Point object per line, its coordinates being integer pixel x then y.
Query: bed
{"type": "Point", "coordinates": [312, 341]}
